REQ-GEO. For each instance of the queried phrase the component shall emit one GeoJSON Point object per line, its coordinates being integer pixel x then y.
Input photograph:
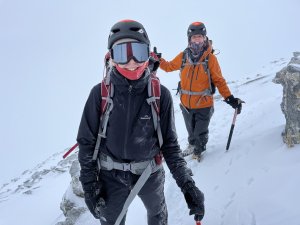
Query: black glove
{"type": "Point", "coordinates": [153, 63]}
{"type": "Point", "coordinates": [178, 87]}
{"type": "Point", "coordinates": [92, 197]}
{"type": "Point", "coordinates": [235, 103]}
{"type": "Point", "coordinates": [158, 54]}
{"type": "Point", "coordinates": [194, 199]}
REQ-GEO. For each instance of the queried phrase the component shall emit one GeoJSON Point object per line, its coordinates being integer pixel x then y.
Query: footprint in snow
{"type": "Point", "coordinates": [250, 181]}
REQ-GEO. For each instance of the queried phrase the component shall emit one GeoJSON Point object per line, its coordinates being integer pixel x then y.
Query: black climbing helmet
{"type": "Point", "coordinates": [127, 29]}
{"type": "Point", "coordinates": [196, 28]}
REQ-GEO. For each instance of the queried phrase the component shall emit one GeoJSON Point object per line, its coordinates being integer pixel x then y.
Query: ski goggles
{"type": "Point", "coordinates": [124, 52]}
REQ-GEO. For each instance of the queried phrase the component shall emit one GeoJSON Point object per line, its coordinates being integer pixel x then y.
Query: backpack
{"type": "Point", "coordinates": [107, 93]}
{"type": "Point", "coordinates": [212, 87]}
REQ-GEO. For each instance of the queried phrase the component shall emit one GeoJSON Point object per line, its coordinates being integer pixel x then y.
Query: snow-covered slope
{"type": "Point", "coordinates": [33, 198]}
{"type": "Point", "coordinates": [255, 182]}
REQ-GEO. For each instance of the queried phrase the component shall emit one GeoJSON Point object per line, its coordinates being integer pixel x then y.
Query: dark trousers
{"type": "Point", "coordinates": [116, 187]}
{"type": "Point", "coordinates": [196, 122]}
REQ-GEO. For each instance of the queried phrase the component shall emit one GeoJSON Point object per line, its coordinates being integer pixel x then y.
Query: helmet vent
{"type": "Point", "coordinates": [137, 29]}
{"type": "Point", "coordinates": [115, 31]}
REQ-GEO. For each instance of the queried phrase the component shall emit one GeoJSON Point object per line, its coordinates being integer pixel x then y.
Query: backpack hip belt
{"type": "Point", "coordinates": [202, 94]}
{"type": "Point", "coordinates": [107, 163]}
{"type": "Point", "coordinates": [206, 92]}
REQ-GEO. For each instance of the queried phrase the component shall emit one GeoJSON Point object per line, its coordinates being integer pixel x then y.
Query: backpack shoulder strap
{"type": "Point", "coordinates": [107, 93]}
{"type": "Point", "coordinates": [212, 87]}
{"type": "Point", "coordinates": [154, 93]}
{"type": "Point", "coordinates": [205, 64]}
{"type": "Point", "coordinates": [184, 57]}
{"type": "Point", "coordinates": [208, 72]}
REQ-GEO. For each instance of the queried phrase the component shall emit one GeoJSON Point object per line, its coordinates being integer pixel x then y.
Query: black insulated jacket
{"type": "Point", "coordinates": [130, 131]}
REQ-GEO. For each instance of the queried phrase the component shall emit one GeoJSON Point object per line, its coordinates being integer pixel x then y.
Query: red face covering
{"type": "Point", "coordinates": [133, 75]}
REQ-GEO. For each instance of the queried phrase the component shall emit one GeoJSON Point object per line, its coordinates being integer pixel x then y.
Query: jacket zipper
{"type": "Point", "coordinates": [127, 121]}
{"type": "Point", "coordinates": [191, 85]}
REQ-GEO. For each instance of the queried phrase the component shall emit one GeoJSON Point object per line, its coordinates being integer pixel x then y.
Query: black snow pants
{"type": "Point", "coordinates": [196, 122]}
{"type": "Point", "coordinates": [116, 188]}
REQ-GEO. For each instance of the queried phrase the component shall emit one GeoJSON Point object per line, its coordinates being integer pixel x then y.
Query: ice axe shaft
{"type": "Point", "coordinates": [231, 129]}
{"type": "Point", "coordinates": [70, 150]}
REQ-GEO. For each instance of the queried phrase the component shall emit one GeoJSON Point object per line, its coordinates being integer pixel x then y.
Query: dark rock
{"type": "Point", "coordinates": [289, 78]}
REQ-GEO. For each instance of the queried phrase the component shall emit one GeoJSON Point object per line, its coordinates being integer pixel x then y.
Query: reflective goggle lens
{"type": "Point", "coordinates": [124, 52]}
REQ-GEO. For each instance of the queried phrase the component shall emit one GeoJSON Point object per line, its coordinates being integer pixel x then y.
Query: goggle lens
{"type": "Point", "coordinates": [124, 52]}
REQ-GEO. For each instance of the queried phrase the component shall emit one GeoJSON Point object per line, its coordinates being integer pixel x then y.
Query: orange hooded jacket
{"type": "Point", "coordinates": [194, 79]}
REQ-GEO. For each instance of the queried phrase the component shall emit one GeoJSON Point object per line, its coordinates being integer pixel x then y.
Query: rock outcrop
{"type": "Point", "coordinates": [289, 78]}
{"type": "Point", "coordinates": [72, 203]}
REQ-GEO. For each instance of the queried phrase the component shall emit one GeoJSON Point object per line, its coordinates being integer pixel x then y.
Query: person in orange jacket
{"type": "Point", "coordinates": [200, 73]}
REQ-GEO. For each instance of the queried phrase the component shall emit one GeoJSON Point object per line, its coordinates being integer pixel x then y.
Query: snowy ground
{"type": "Point", "coordinates": [255, 183]}
{"type": "Point", "coordinates": [34, 197]}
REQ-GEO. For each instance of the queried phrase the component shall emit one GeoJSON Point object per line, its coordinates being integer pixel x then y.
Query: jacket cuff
{"type": "Point", "coordinates": [182, 176]}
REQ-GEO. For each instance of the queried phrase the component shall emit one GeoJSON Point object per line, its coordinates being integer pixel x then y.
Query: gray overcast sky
{"type": "Point", "coordinates": [51, 54]}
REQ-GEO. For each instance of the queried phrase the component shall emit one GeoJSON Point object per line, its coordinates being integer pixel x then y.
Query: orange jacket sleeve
{"type": "Point", "coordinates": [216, 76]}
{"type": "Point", "coordinates": [173, 65]}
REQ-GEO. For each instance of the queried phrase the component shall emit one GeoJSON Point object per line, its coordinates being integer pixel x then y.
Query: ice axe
{"type": "Point", "coordinates": [231, 129]}
{"type": "Point", "coordinates": [236, 112]}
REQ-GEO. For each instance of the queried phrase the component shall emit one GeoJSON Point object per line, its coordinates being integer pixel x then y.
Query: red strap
{"type": "Point", "coordinates": [158, 158]}
{"type": "Point", "coordinates": [155, 89]}
{"type": "Point", "coordinates": [105, 89]}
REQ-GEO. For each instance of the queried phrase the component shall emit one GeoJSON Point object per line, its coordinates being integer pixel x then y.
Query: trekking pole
{"type": "Point", "coordinates": [197, 219]}
{"type": "Point", "coordinates": [231, 129]}
{"type": "Point", "coordinates": [70, 150]}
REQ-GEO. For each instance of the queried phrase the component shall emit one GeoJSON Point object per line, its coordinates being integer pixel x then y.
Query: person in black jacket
{"type": "Point", "coordinates": [131, 140]}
